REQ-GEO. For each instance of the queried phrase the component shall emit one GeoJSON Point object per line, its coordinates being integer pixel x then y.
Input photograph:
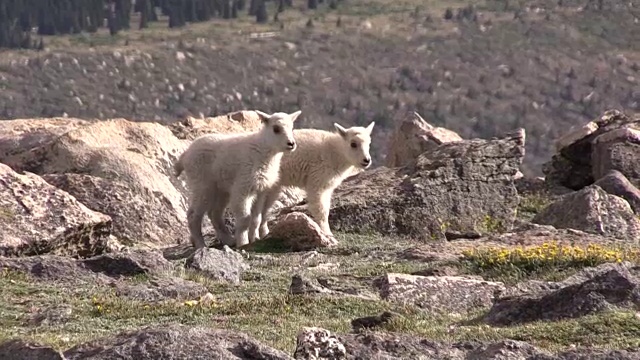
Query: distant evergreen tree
{"type": "Point", "coordinates": [312, 4]}
{"type": "Point", "coordinates": [145, 8]}
{"type": "Point", "coordinates": [261, 12]}
{"type": "Point", "coordinates": [176, 14]}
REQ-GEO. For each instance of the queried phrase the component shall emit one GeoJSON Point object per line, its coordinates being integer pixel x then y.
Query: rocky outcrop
{"type": "Point", "coordinates": [412, 137]}
{"type": "Point", "coordinates": [592, 210]}
{"type": "Point", "coordinates": [38, 218]}
{"type": "Point", "coordinates": [465, 186]}
{"type": "Point", "coordinates": [584, 155]}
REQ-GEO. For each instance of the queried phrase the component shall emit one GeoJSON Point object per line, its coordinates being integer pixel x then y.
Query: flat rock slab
{"type": "Point", "coordinates": [161, 288]}
{"type": "Point", "coordinates": [449, 294]}
{"type": "Point", "coordinates": [595, 211]}
{"type": "Point", "coordinates": [463, 186]}
{"type": "Point", "coordinates": [607, 289]}
{"type": "Point", "coordinates": [225, 265]}
{"type": "Point", "coordinates": [17, 349]}
{"type": "Point", "coordinates": [111, 270]}
{"type": "Point", "coordinates": [175, 342]}
{"type": "Point", "coordinates": [38, 218]}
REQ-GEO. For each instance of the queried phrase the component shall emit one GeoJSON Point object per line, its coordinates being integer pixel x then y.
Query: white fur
{"type": "Point", "coordinates": [321, 162]}
{"type": "Point", "coordinates": [234, 170]}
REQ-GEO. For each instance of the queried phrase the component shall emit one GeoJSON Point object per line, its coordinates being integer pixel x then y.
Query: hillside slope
{"type": "Point", "coordinates": [531, 64]}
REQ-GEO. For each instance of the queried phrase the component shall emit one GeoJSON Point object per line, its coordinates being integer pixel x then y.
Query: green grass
{"type": "Point", "coordinates": [262, 307]}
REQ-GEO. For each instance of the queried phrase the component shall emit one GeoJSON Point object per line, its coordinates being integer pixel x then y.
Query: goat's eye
{"type": "Point", "coordinates": [276, 130]}
{"type": "Point", "coordinates": [354, 145]}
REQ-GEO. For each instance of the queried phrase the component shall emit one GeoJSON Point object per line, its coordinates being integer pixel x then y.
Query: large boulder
{"type": "Point", "coordinates": [595, 211]}
{"type": "Point", "coordinates": [37, 218]}
{"type": "Point", "coordinates": [587, 153]}
{"type": "Point", "coordinates": [120, 168]}
{"type": "Point", "coordinates": [460, 187]}
{"type": "Point", "coordinates": [412, 137]}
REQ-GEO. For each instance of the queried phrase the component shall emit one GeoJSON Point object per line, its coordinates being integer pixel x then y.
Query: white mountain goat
{"type": "Point", "coordinates": [321, 162]}
{"type": "Point", "coordinates": [234, 170]}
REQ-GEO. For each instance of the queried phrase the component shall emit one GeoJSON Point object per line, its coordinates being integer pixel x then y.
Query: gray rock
{"type": "Point", "coordinates": [615, 183]}
{"type": "Point", "coordinates": [52, 267]}
{"type": "Point", "coordinates": [444, 294]}
{"type": "Point", "coordinates": [52, 315]}
{"type": "Point", "coordinates": [592, 210]}
{"type": "Point", "coordinates": [175, 342]}
{"type": "Point", "coordinates": [226, 265]}
{"type": "Point", "coordinates": [23, 350]}
{"type": "Point", "coordinates": [605, 291]}
{"type": "Point", "coordinates": [158, 289]}
{"type": "Point", "coordinates": [37, 218]}
{"type": "Point", "coordinates": [129, 263]}
{"type": "Point", "coordinates": [298, 232]}
{"type": "Point", "coordinates": [315, 343]}
{"type": "Point", "coordinates": [465, 186]}
{"type": "Point", "coordinates": [414, 136]}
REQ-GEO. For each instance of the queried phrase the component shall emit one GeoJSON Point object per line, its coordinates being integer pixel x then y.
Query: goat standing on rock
{"type": "Point", "coordinates": [235, 170]}
{"type": "Point", "coordinates": [322, 161]}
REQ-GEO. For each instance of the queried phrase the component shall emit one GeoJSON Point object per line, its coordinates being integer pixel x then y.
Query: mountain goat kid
{"type": "Point", "coordinates": [234, 170]}
{"type": "Point", "coordinates": [321, 162]}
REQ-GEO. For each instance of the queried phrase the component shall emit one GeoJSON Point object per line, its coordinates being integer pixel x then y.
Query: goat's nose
{"type": "Point", "coordinates": [291, 144]}
{"type": "Point", "coordinates": [366, 160]}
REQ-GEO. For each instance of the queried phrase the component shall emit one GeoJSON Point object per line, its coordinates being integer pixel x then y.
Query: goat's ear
{"type": "Point", "coordinates": [295, 115]}
{"type": "Point", "coordinates": [370, 127]}
{"type": "Point", "coordinates": [263, 116]}
{"type": "Point", "coordinates": [342, 131]}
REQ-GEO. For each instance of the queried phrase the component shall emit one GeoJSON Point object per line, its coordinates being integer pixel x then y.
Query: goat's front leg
{"type": "Point", "coordinates": [256, 217]}
{"type": "Point", "coordinates": [241, 206]}
{"type": "Point", "coordinates": [319, 205]}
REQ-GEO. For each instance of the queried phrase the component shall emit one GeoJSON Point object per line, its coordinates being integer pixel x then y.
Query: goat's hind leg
{"type": "Point", "coordinates": [216, 215]}
{"type": "Point", "coordinates": [195, 214]}
{"type": "Point", "coordinates": [241, 203]}
{"type": "Point", "coordinates": [270, 199]}
{"type": "Point", "coordinates": [256, 216]}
